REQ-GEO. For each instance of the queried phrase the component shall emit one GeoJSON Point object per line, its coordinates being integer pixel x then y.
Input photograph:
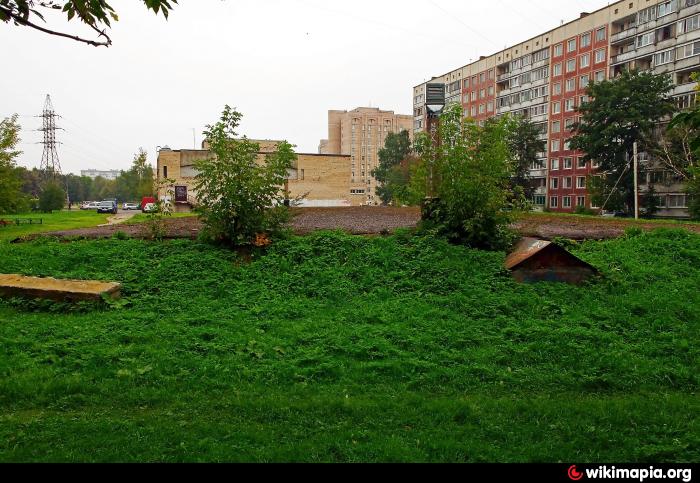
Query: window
{"type": "Point", "coordinates": [677, 201]}
{"type": "Point", "coordinates": [600, 76]}
{"type": "Point", "coordinates": [567, 145]}
{"type": "Point", "coordinates": [556, 145]}
{"type": "Point", "coordinates": [556, 107]}
{"type": "Point", "coordinates": [600, 34]}
{"type": "Point", "coordinates": [557, 69]}
{"type": "Point", "coordinates": [473, 111]}
{"type": "Point", "coordinates": [567, 182]}
{"type": "Point", "coordinates": [586, 40]}
{"type": "Point", "coordinates": [645, 39]}
{"type": "Point", "coordinates": [585, 61]}
{"type": "Point", "coordinates": [491, 74]}
{"type": "Point", "coordinates": [540, 55]}
{"type": "Point", "coordinates": [555, 164]}
{"type": "Point", "coordinates": [689, 24]}
{"type": "Point", "coordinates": [569, 123]}
{"type": "Point", "coordinates": [581, 182]}
{"type": "Point", "coordinates": [556, 127]}
{"type": "Point", "coordinates": [688, 50]}
{"type": "Point", "coordinates": [482, 93]}
{"type": "Point", "coordinates": [571, 65]}
{"type": "Point", "coordinates": [482, 77]}
{"type": "Point", "coordinates": [165, 171]}
{"type": "Point", "coordinates": [482, 108]}
{"type": "Point", "coordinates": [465, 83]}
{"type": "Point", "coordinates": [540, 200]}
{"type": "Point", "coordinates": [570, 85]}
{"type": "Point", "coordinates": [663, 57]}
{"type": "Point", "coordinates": [556, 89]}
{"type": "Point", "coordinates": [581, 201]}
{"type": "Point", "coordinates": [489, 106]}
{"type": "Point", "coordinates": [599, 56]}
{"type": "Point", "coordinates": [569, 105]}
{"type": "Point", "coordinates": [554, 183]}
{"type": "Point", "coordinates": [553, 202]}
{"type": "Point", "coordinates": [583, 81]}
{"type": "Point", "coordinates": [581, 163]}
{"type": "Point", "coordinates": [571, 45]}
{"type": "Point", "coordinates": [567, 165]}
{"type": "Point", "coordinates": [646, 15]}
{"type": "Point", "coordinates": [667, 7]}
{"type": "Point", "coordinates": [566, 202]}
{"type": "Point", "coordinates": [558, 50]}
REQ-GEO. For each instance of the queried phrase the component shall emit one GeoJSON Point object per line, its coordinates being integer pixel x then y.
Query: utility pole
{"type": "Point", "coordinates": [636, 183]}
{"type": "Point", "coordinates": [50, 164]}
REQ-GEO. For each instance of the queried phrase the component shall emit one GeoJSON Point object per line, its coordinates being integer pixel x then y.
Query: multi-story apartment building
{"type": "Point", "coordinates": [111, 174]}
{"type": "Point", "coordinates": [545, 80]}
{"type": "Point", "coordinates": [361, 133]}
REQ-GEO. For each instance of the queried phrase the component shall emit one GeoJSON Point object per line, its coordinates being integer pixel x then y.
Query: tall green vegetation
{"type": "Point", "coordinates": [620, 112]}
{"type": "Point", "coordinates": [467, 175]}
{"type": "Point", "coordinates": [12, 200]}
{"type": "Point", "coordinates": [52, 197]}
{"type": "Point", "coordinates": [393, 174]}
{"type": "Point", "coordinates": [240, 196]}
{"type": "Point", "coordinates": [526, 147]}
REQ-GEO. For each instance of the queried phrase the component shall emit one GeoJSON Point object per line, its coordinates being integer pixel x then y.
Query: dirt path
{"type": "Point", "coordinates": [120, 217]}
{"type": "Point", "coordinates": [380, 220]}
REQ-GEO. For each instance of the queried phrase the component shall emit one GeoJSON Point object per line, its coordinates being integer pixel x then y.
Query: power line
{"type": "Point", "coordinates": [50, 164]}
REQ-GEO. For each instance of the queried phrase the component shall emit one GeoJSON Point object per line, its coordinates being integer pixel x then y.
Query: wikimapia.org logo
{"type": "Point", "coordinates": [603, 472]}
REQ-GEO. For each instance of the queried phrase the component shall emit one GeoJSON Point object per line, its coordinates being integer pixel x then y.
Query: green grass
{"type": "Point", "coordinates": [143, 217]}
{"type": "Point", "coordinates": [605, 219]}
{"type": "Point", "coordinates": [340, 348]}
{"type": "Point", "coordinates": [58, 220]}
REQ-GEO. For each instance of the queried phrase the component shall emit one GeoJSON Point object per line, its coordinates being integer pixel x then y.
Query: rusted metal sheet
{"type": "Point", "coordinates": [535, 260]}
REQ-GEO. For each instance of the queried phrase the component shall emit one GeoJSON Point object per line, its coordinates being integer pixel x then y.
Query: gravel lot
{"type": "Point", "coordinates": [379, 220]}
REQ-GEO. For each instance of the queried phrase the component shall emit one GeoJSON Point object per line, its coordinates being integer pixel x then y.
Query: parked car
{"type": "Point", "coordinates": [107, 207]}
{"type": "Point", "coordinates": [149, 208]}
{"type": "Point", "coordinates": [130, 206]}
{"type": "Point", "coordinates": [89, 205]}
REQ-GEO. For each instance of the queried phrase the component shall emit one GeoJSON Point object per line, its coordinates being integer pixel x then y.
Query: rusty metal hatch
{"type": "Point", "coordinates": [533, 260]}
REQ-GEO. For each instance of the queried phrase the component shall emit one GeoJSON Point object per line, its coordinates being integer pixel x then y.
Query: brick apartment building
{"type": "Point", "coordinates": [545, 79]}
{"type": "Point", "coordinates": [360, 133]}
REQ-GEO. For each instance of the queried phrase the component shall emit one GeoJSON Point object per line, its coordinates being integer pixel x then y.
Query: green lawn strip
{"type": "Point", "coordinates": [606, 219]}
{"type": "Point", "coordinates": [311, 425]}
{"type": "Point", "coordinates": [143, 217]}
{"type": "Point", "coordinates": [410, 326]}
{"type": "Point", "coordinates": [56, 221]}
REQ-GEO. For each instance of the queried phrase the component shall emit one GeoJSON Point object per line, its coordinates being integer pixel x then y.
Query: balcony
{"type": "Point", "coordinates": [625, 34]}
{"type": "Point", "coordinates": [625, 57]}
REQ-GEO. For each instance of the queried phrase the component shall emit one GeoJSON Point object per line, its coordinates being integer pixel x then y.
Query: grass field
{"type": "Point", "coordinates": [143, 217]}
{"type": "Point", "coordinates": [58, 220]}
{"type": "Point", "coordinates": [339, 348]}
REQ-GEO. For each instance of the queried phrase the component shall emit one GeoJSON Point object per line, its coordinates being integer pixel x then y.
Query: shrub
{"type": "Point", "coordinates": [52, 197]}
{"type": "Point", "coordinates": [239, 195]}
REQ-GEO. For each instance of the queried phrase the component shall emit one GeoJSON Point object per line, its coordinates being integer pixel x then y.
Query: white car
{"type": "Point", "coordinates": [130, 206]}
{"type": "Point", "coordinates": [149, 207]}
{"type": "Point", "coordinates": [93, 205]}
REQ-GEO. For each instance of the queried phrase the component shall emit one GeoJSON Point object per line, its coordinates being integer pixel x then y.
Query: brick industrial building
{"type": "Point", "coordinates": [322, 179]}
{"type": "Point", "coordinates": [361, 133]}
{"type": "Point", "coordinates": [545, 79]}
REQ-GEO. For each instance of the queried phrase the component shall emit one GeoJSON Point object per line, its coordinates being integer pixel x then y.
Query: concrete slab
{"type": "Point", "coordinates": [56, 289]}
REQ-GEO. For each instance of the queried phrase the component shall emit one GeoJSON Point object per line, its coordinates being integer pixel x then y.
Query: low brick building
{"type": "Point", "coordinates": [322, 179]}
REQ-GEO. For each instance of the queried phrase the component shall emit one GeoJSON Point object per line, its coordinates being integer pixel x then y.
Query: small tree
{"type": "Point", "coordinates": [11, 198]}
{"type": "Point", "coordinates": [650, 202]}
{"type": "Point", "coordinates": [240, 195]}
{"type": "Point", "coordinates": [525, 145]}
{"type": "Point", "coordinates": [52, 197]}
{"type": "Point", "coordinates": [469, 173]}
{"type": "Point", "coordinates": [392, 173]}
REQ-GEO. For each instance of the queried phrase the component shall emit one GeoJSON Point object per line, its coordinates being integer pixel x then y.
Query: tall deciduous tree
{"type": "Point", "coordinates": [96, 14]}
{"type": "Point", "coordinates": [11, 198]}
{"type": "Point", "coordinates": [392, 173]}
{"type": "Point", "coordinates": [622, 111]}
{"type": "Point", "coordinates": [238, 195]}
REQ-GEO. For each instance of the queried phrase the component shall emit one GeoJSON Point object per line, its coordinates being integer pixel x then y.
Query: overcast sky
{"type": "Point", "coordinates": [282, 63]}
